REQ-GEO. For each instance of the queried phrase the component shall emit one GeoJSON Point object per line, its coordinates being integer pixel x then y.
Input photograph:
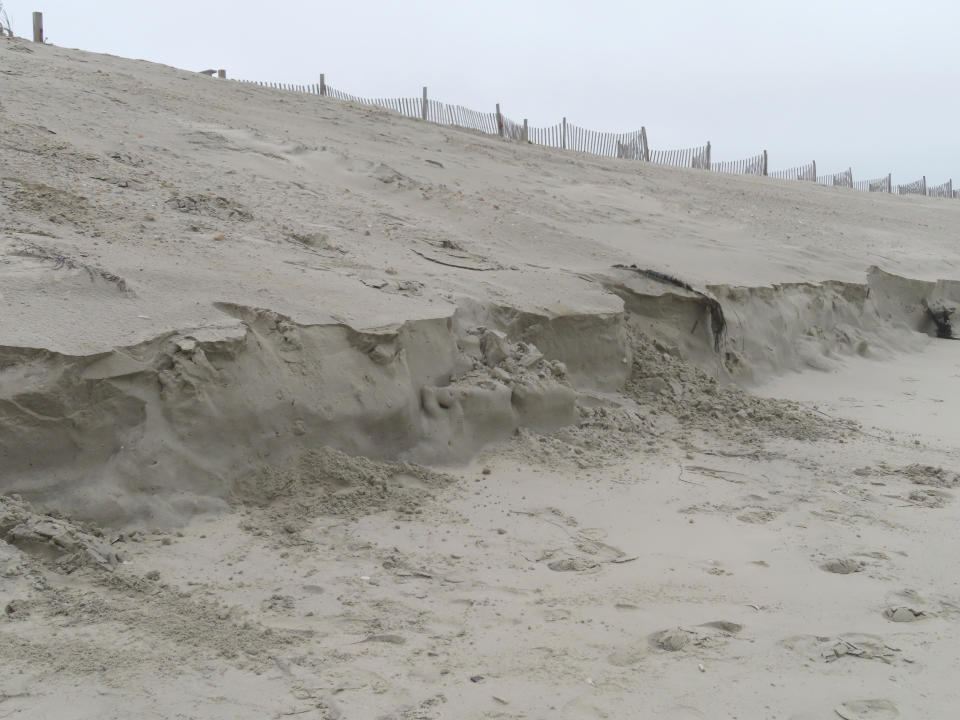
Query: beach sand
{"type": "Point", "coordinates": [309, 410]}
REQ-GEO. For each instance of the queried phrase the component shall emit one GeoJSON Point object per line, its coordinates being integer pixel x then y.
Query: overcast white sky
{"type": "Point", "coordinates": [873, 85]}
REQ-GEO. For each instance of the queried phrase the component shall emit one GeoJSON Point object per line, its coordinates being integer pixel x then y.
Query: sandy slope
{"type": "Point", "coordinates": [134, 142]}
{"type": "Point", "coordinates": [204, 285]}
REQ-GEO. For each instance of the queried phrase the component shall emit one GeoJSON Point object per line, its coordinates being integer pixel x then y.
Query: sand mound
{"type": "Point", "coordinates": [661, 378]}
{"type": "Point", "coordinates": [329, 482]}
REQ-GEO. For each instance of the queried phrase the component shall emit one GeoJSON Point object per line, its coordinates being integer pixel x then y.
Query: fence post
{"type": "Point", "coordinates": [923, 185]}
{"type": "Point", "coordinates": [222, 74]}
{"type": "Point", "coordinates": [814, 170]}
{"type": "Point", "coordinates": [950, 187]}
{"type": "Point", "coordinates": [644, 145]}
{"type": "Point", "coordinates": [563, 135]}
{"type": "Point", "coordinates": [526, 131]}
{"type": "Point", "coordinates": [323, 84]}
{"type": "Point", "coordinates": [423, 109]}
{"type": "Point", "coordinates": [764, 163]}
{"type": "Point", "coordinates": [708, 156]}
{"type": "Point", "coordinates": [499, 121]}
{"type": "Point", "coordinates": [889, 183]}
{"type": "Point", "coordinates": [38, 27]}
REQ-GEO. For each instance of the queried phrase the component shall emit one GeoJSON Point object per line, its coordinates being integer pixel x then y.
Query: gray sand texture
{"type": "Point", "coordinates": [311, 410]}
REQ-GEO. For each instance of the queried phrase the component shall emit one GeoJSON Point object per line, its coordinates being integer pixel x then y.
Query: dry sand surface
{"type": "Point", "coordinates": [308, 410]}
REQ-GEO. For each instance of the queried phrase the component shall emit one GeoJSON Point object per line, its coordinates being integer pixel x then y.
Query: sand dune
{"type": "Point", "coordinates": [311, 410]}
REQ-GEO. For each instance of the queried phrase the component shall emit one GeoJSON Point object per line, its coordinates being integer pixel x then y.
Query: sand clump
{"type": "Point", "coordinates": [843, 566]}
{"type": "Point", "coordinates": [931, 476]}
{"type": "Point", "coordinates": [176, 627]}
{"type": "Point", "coordinates": [665, 398]}
{"type": "Point", "coordinates": [713, 634]}
{"type": "Point", "coordinates": [67, 544]}
{"type": "Point", "coordinates": [284, 500]}
{"type": "Point", "coordinates": [675, 386]}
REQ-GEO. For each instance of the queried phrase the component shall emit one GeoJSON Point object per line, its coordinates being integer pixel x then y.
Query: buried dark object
{"type": "Point", "coordinates": [941, 318]}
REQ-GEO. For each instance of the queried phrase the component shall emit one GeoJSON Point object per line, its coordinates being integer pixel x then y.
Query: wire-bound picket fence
{"type": "Point", "coordinates": [627, 146]}
{"type": "Point", "coordinates": [943, 191]}
{"type": "Point", "coordinates": [917, 187]}
{"type": "Point", "coordinates": [695, 157]}
{"type": "Point", "coordinates": [883, 185]}
{"type": "Point", "coordinates": [840, 179]}
{"type": "Point", "coordinates": [801, 172]}
{"type": "Point", "coordinates": [756, 165]}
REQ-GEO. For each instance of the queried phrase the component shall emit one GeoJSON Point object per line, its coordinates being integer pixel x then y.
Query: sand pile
{"type": "Point", "coordinates": [327, 482]}
{"type": "Point", "coordinates": [661, 378]}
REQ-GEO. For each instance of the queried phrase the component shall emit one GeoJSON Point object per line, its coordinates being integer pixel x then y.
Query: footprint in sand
{"type": "Point", "coordinates": [731, 628]}
{"type": "Point", "coordinates": [673, 640]}
{"type": "Point", "coordinates": [867, 710]}
{"type": "Point", "coordinates": [904, 614]}
{"type": "Point", "coordinates": [626, 657]}
{"type": "Point", "coordinates": [718, 632]}
{"type": "Point", "coordinates": [843, 566]}
{"type": "Point", "coordinates": [850, 645]}
{"type": "Point", "coordinates": [929, 497]}
{"type": "Point", "coordinates": [572, 564]}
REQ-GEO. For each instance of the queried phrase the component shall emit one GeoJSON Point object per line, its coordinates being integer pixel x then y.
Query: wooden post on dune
{"type": "Point", "coordinates": [423, 109]}
{"type": "Point", "coordinates": [563, 135]}
{"type": "Point", "coordinates": [923, 185]}
{"type": "Point", "coordinates": [526, 131]}
{"type": "Point", "coordinates": [644, 144]}
{"type": "Point", "coordinates": [222, 74]}
{"type": "Point", "coordinates": [764, 163]}
{"type": "Point", "coordinates": [499, 121]}
{"type": "Point", "coordinates": [323, 84]}
{"type": "Point", "coordinates": [708, 156]}
{"type": "Point", "coordinates": [889, 183]}
{"type": "Point", "coordinates": [814, 170]}
{"type": "Point", "coordinates": [38, 27]}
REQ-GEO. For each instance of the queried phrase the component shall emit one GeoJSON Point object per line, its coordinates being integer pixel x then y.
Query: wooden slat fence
{"type": "Point", "coordinates": [917, 187]}
{"type": "Point", "coordinates": [627, 146]}
{"type": "Point", "coordinates": [801, 172]}
{"type": "Point", "coordinates": [310, 89]}
{"type": "Point", "coordinates": [696, 157]}
{"type": "Point", "coordinates": [601, 143]}
{"type": "Point", "coordinates": [882, 185]}
{"type": "Point", "coordinates": [942, 191]}
{"type": "Point", "coordinates": [408, 107]}
{"type": "Point", "coordinates": [840, 179]}
{"type": "Point", "coordinates": [512, 130]}
{"type": "Point", "coordinates": [756, 165]}
{"type": "Point", "coordinates": [635, 148]}
{"type": "Point", "coordinates": [548, 137]}
{"type": "Point", "coordinates": [460, 116]}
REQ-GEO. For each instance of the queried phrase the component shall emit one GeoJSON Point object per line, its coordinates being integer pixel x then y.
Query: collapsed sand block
{"type": "Point", "coordinates": [160, 431]}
